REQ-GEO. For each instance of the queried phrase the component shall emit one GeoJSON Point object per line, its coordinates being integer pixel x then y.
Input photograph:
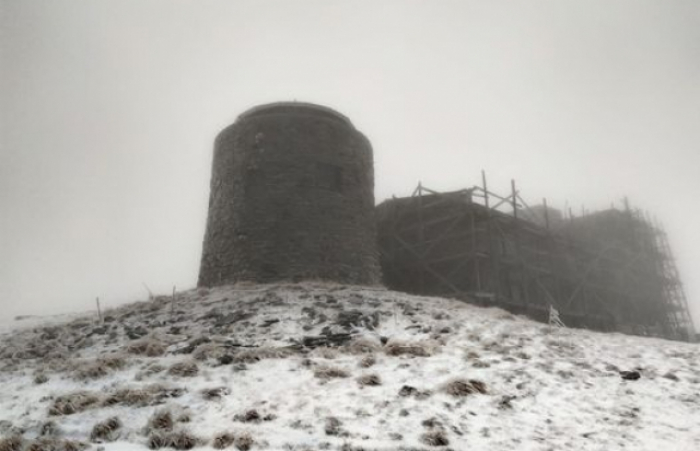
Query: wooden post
{"type": "Point", "coordinates": [515, 198]}
{"type": "Point", "coordinates": [99, 310]}
{"type": "Point", "coordinates": [422, 236]}
{"type": "Point", "coordinates": [546, 212]}
{"type": "Point", "coordinates": [172, 303]}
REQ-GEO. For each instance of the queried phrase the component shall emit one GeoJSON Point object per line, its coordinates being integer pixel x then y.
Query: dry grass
{"type": "Point", "coordinates": [417, 349]}
{"type": "Point", "coordinates": [330, 372]}
{"type": "Point", "coordinates": [252, 416]}
{"type": "Point", "coordinates": [149, 347]}
{"type": "Point", "coordinates": [53, 444]}
{"type": "Point", "coordinates": [161, 420]}
{"type": "Point", "coordinates": [215, 393]}
{"type": "Point", "coordinates": [244, 441]}
{"type": "Point", "coordinates": [73, 403]}
{"type": "Point", "coordinates": [182, 440]}
{"type": "Point", "coordinates": [141, 397]}
{"type": "Point", "coordinates": [105, 431]}
{"type": "Point", "coordinates": [463, 387]}
{"type": "Point", "coordinates": [257, 354]}
{"type": "Point", "coordinates": [49, 429]}
{"type": "Point", "coordinates": [435, 438]}
{"type": "Point", "coordinates": [369, 380]}
{"type": "Point", "coordinates": [325, 353]}
{"type": "Point", "coordinates": [368, 361]}
{"type": "Point", "coordinates": [149, 370]}
{"type": "Point", "coordinates": [100, 367]}
{"type": "Point", "coordinates": [209, 351]}
{"type": "Point", "coordinates": [333, 426]}
{"type": "Point", "coordinates": [157, 440]}
{"type": "Point", "coordinates": [184, 369]}
{"type": "Point", "coordinates": [40, 378]}
{"type": "Point", "coordinates": [222, 440]}
{"type": "Point", "coordinates": [361, 346]}
{"type": "Point", "coordinates": [12, 443]}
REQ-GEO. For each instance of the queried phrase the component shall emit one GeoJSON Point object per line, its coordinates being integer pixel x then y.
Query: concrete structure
{"type": "Point", "coordinates": [292, 198]}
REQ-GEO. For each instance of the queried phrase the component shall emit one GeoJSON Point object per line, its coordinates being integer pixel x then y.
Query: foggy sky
{"type": "Point", "coordinates": [109, 111]}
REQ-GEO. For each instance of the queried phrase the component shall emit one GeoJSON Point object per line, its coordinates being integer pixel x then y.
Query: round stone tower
{"type": "Point", "coordinates": [292, 198]}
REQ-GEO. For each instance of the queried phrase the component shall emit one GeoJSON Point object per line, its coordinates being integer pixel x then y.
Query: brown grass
{"type": "Point", "coordinates": [215, 393]}
{"type": "Point", "coordinates": [330, 372]}
{"type": "Point", "coordinates": [435, 438]}
{"type": "Point", "coordinates": [244, 441]}
{"type": "Point", "coordinates": [463, 387]}
{"type": "Point", "coordinates": [361, 346]}
{"type": "Point", "coordinates": [105, 431]}
{"type": "Point", "coordinates": [222, 440]}
{"type": "Point", "coordinates": [416, 349]}
{"type": "Point", "coordinates": [209, 351]}
{"type": "Point", "coordinates": [161, 420]}
{"type": "Point", "coordinates": [333, 426]}
{"type": "Point", "coordinates": [256, 354]}
{"type": "Point", "coordinates": [73, 403]}
{"type": "Point", "coordinates": [149, 347]}
{"type": "Point", "coordinates": [369, 380]}
{"type": "Point", "coordinates": [12, 443]}
{"type": "Point", "coordinates": [184, 369]}
{"type": "Point", "coordinates": [182, 440]}
{"type": "Point", "coordinates": [100, 367]}
{"type": "Point", "coordinates": [368, 361]}
{"type": "Point", "coordinates": [54, 444]}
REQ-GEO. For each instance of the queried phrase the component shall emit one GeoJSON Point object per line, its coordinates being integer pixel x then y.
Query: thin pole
{"type": "Point", "coordinates": [546, 212]}
{"type": "Point", "coordinates": [99, 310]}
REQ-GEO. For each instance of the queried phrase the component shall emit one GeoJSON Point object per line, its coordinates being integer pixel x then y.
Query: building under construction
{"type": "Point", "coordinates": [611, 270]}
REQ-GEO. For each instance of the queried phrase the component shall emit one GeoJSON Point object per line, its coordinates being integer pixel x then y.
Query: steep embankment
{"type": "Point", "coordinates": [247, 368]}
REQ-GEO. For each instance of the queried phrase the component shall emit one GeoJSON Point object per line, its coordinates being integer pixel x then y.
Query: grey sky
{"type": "Point", "coordinates": [109, 110]}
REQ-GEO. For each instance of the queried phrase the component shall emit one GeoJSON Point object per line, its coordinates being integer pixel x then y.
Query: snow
{"type": "Point", "coordinates": [548, 388]}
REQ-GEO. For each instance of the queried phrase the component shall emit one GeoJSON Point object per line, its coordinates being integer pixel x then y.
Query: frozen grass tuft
{"type": "Point", "coordinates": [435, 438]}
{"type": "Point", "coordinates": [222, 440]}
{"type": "Point", "coordinates": [73, 403]}
{"type": "Point", "coordinates": [49, 429]}
{"type": "Point", "coordinates": [106, 431]}
{"type": "Point", "coordinates": [244, 441]}
{"type": "Point", "coordinates": [53, 444]}
{"type": "Point", "coordinates": [333, 426]}
{"type": "Point", "coordinates": [361, 346]}
{"type": "Point", "coordinates": [369, 380]}
{"type": "Point", "coordinates": [40, 378]}
{"type": "Point", "coordinates": [209, 351]}
{"type": "Point", "coordinates": [416, 349]}
{"type": "Point", "coordinates": [149, 347]}
{"type": "Point", "coordinates": [368, 361]}
{"type": "Point", "coordinates": [182, 440]}
{"type": "Point", "coordinates": [464, 387]}
{"type": "Point", "coordinates": [257, 354]}
{"type": "Point", "coordinates": [330, 372]}
{"type": "Point", "coordinates": [12, 443]}
{"type": "Point", "coordinates": [157, 440]}
{"type": "Point", "coordinates": [161, 420]}
{"type": "Point", "coordinates": [100, 367]}
{"type": "Point", "coordinates": [184, 369]}
{"type": "Point", "coordinates": [215, 393]}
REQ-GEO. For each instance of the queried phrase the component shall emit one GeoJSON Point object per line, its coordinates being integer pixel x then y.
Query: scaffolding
{"type": "Point", "coordinates": [611, 270]}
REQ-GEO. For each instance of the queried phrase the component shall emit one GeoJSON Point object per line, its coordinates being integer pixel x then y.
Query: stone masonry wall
{"type": "Point", "coordinates": [292, 198]}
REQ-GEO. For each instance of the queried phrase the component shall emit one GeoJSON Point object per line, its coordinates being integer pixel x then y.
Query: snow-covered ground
{"type": "Point", "coordinates": [245, 367]}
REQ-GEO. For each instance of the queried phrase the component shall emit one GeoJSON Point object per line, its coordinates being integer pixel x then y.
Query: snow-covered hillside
{"type": "Point", "coordinates": [249, 368]}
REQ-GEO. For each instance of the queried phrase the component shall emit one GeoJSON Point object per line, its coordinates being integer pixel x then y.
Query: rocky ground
{"type": "Point", "coordinates": [318, 366]}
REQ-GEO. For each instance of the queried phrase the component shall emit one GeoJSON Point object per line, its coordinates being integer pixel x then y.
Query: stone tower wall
{"type": "Point", "coordinates": [292, 198]}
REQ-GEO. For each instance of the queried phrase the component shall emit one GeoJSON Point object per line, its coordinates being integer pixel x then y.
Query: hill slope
{"type": "Point", "coordinates": [248, 367]}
